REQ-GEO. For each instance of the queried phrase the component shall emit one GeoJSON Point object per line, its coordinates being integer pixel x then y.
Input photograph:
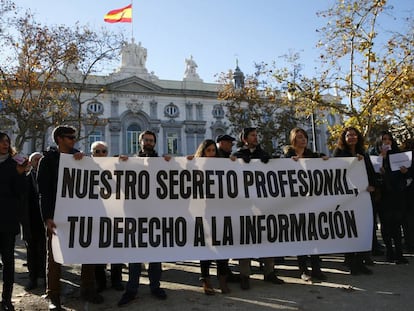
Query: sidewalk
{"type": "Point", "coordinates": [389, 288]}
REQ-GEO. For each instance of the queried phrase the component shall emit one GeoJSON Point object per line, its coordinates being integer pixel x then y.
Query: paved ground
{"type": "Point", "coordinates": [390, 288]}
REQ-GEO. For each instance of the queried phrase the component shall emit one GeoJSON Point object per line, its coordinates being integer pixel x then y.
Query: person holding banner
{"type": "Point", "coordinates": [251, 149]}
{"type": "Point", "coordinates": [298, 149]}
{"type": "Point", "coordinates": [224, 149]}
{"type": "Point", "coordinates": [208, 149]}
{"type": "Point", "coordinates": [100, 149]}
{"type": "Point", "coordinates": [351, 144]}
{"type": "Point", "coordinates": [12, 189]}
{"type": "Point", "coordinates": [47, 178]}
{"type": "Point", "coordinates": [147, 140]}
{"type": "Point", "coordinates": [393, 200]}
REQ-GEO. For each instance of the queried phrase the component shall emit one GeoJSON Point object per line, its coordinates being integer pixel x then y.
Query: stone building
{"type": "Point", "coordinates": [181, 113]}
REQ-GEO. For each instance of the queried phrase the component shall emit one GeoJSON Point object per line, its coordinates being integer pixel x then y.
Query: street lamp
{"type": "Point", "coordinates": [313, 131]}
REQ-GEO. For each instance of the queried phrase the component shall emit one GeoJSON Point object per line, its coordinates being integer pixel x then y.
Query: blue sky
{"type": "Point", "coordinates": [215, 32]}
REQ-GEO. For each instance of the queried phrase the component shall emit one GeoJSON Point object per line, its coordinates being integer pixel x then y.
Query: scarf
{"type": "Point", "coordinates": [4, 157]}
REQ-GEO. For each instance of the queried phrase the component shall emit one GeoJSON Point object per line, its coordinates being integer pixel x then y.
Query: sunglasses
{"type": "Point", "coordinates": [98, 151]}
{"type": "Point", "coordinates": [71, 137]}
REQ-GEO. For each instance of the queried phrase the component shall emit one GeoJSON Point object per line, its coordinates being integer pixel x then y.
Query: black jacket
{"type": "Point", "coordinates": [394, 181]}
{"type": "Point", "coordinates": [223, 154]}
{"type": "Point", "coordinates": [12, 191]}
{"type": "Point", "coordinates": [35, 223]}
{"type": "Point", "coordinates": [290, 152]}
{"type": "Point", "coordinates": [152, 154]}
{"type": "Point", "coordinates": [47, 179]}
{"type": "Point", "coordinates": [258, 153]}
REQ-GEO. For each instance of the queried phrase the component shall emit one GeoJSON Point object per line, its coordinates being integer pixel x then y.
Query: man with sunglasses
{"type": "Point", "coordinates": [65, 138]}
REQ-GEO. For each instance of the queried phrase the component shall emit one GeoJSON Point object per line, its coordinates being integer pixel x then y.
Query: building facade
{"type": "Point", "coordinates": [181, 113]}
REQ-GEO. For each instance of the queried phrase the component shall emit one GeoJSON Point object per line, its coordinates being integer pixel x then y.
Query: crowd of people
{"type": "Point", "coordinates": [28, 189]}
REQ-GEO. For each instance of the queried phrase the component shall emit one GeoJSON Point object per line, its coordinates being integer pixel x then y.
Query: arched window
{"type": "Point", "coordinates": [132, 138]}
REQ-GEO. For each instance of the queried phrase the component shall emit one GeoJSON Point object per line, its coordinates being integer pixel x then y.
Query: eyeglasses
{"type": "Point", "coordinates": [98, 151]}
{"type": "Point", "coordinates": [71, 137]}
{"type": "Point", "coordinates": [148, 140]}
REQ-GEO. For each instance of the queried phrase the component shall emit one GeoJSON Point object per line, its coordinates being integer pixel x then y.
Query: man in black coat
{"type": "Point", "coordinates": [36, 235]}
{"type": "Point", "coordinates": [47, 178]}
{"type": "Point", "coordinates": [224, 145]}
{"type": "Point", "coordinates": [252, 150]}
{"type": "Point", "coordinates": [147, 140]}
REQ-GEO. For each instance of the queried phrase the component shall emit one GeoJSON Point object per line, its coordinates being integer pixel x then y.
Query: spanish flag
{"type": "Point", "coordinates": [123, 15]}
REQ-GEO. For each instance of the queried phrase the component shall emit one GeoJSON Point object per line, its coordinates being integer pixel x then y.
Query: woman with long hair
{"type": "Point", "coordinates": [351, 144]}
{"type": "Point", "coordinates": [12, 189]}
{"type": "Point", "coordinates": [208, 149]}
{"type": "Point", "coordinates": [393, 199]}
{"type": "Point", "coordinates": [299, 149]}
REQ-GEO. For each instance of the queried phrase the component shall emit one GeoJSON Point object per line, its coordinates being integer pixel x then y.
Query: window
{"type": "Point", "coordinates": [218, 111]}
{"type": "Point", "coordinates": [95, 107]}
{"type": "Point", "coordinates": [172, 143]}
{"type": "Point", "coordinates": [331, 119]}
{"type": "Point", "coordinates": [132, 139]}
{"type": "Point", "coordinates": [94, 136]}
{"type": "Point", "coordinates": [199, 111]}
{"type": "Point", "coordinates": [171, 111]}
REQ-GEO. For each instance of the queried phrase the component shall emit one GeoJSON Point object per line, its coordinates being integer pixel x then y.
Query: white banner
{"type": "Point", "coordinates": [151, 210]}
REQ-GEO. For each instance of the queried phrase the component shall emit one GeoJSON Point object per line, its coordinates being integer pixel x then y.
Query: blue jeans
{"type": "Point", "coordinates": [154, 275]}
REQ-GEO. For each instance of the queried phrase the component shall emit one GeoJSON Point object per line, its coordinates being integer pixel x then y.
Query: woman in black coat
{"type": "Point", "coordinates": [299, 149]}
{"type": "Point", "coordinates": [393, 203]}
{"type": "Point", "coordinates": [12, 186]}
{"type": "Point", "coordinates": [351, 144]}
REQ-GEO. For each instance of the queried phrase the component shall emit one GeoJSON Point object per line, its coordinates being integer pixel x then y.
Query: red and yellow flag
{"type": "Point", "coordinates": [123, 15]}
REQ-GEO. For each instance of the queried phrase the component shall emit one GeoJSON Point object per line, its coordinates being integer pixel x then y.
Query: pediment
{"type": "Point", "coordinates": [134, 84]}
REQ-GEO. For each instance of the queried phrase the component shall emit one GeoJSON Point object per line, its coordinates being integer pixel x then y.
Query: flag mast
{"type": "Point", "coordinates": [132, 21]}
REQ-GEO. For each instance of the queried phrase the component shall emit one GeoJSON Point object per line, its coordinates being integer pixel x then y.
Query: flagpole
{"type": "Point", "coordinates": [132, 21]}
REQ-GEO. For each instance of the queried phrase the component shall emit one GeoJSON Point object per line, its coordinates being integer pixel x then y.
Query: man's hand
{"type": "Point", "coordinates": [246, 159]}
{"type": "Point", "coordinates": [265, 159]}
{"type": "Point", "coordinates": [123, 157]}
{"type": "Point", "coordinates": [51, 226]}
{"type": "Point", "coordinates": [78, 155]}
